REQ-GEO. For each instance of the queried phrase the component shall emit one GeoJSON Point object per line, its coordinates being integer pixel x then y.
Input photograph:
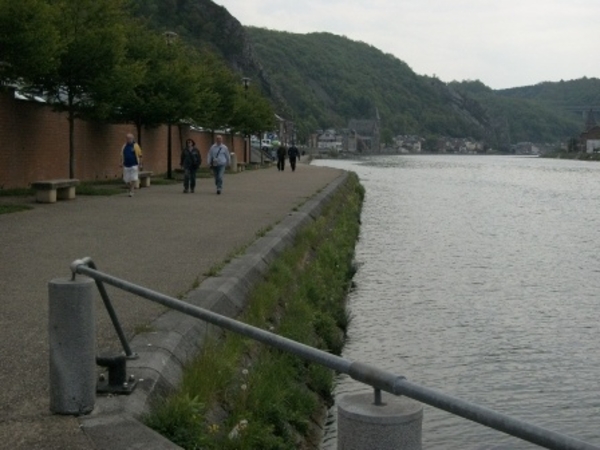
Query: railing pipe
{"type": "Point", "coordinates": [326, 359]}
{"type": "Point", "coordinates": [365, 373]}
{"type": "Point", "coordinates": [109, 308]}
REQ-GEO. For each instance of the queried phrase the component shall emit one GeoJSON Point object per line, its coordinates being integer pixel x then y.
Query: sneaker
{"type": "Point", "coordinates": [131, 193]}
{"type": "Point", "coordinates": [218, 191]}
{"type": "Point", "coordinates": [185, 191]}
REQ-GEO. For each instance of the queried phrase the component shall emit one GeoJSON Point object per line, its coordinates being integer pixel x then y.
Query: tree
{"type": "Point", "coordinates": [225, 84]}
{"type": "Point", "coordinates": [252, 113]}
{"type": "Point", "coordinates": [29, 41]}
{"type": "Point", "coordinates": [161, 89]}
{"type": "Point", "coordinates": [92, 34]}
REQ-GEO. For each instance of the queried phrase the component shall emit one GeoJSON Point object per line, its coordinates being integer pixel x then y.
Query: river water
{"type": "Point", "coordinates": [480, 276]}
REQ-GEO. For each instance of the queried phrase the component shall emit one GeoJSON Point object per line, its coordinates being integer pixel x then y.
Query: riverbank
{"type": "Point", "coordinates": [239, 394]}
{"type": "Point", "coordinates": [573, 155]}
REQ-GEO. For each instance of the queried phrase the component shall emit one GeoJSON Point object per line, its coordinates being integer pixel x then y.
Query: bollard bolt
{"type": "Point", "coordinates": [118, 380]}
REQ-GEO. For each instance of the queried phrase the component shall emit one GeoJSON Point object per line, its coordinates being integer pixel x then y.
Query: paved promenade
{"type": "Point", "coordinates": [160, 238]}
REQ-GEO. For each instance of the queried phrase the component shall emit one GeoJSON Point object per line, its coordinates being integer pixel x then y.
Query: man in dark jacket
{"type": "Point", "coordinates": [293, 154]}
{"type": "Point", "coordinates": [190, 162]}
{"type": "Point", "coordinates": [281, 152]}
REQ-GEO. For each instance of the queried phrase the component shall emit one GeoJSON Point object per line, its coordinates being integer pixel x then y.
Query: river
{"type": "Point", "coordinates": [480, 276]}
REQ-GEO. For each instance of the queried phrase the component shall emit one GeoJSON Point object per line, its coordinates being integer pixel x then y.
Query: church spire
{"type": "Point", "coordinates": [591, 120]}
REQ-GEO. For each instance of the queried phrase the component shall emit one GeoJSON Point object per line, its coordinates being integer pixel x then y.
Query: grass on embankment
{"type": "Point", "coordinates": [236, 379]}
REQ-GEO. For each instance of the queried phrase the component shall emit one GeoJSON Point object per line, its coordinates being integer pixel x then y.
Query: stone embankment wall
{"type": "Point", "coordinates": [34, 145]}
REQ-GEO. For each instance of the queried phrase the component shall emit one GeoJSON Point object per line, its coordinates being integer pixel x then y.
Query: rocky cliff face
{"type": "Point", "coordinates": [206, 24]}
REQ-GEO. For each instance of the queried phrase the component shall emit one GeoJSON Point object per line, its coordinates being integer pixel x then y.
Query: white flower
{"type": "Point", "coordinates": [235, 433]}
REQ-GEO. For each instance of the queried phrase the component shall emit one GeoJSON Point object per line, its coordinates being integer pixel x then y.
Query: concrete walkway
{"type": "Point", "coordinates": [160, 238]}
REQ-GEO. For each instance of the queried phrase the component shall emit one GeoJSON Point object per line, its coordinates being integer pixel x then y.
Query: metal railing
{"type": "Point", "coordinates": [379, 379]}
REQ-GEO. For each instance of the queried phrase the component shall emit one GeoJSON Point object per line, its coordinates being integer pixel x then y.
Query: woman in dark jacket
{"type": "Point", "coordinates": [190, 162]}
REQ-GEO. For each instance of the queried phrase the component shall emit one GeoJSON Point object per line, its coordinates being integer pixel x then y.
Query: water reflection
{"type": "Point", "coordinates": [479, 277]}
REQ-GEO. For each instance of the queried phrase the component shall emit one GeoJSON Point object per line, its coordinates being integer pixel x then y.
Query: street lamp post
{"type": "Point", "coordinates": [170, 37]}
{"type": "Point", "coordinates": [246, 82]}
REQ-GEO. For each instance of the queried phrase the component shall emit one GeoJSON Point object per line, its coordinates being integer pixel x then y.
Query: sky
{"type": "Point", "coordinates": [502, 43]}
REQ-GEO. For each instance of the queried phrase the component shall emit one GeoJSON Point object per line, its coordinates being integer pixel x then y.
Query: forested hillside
{"type": "Point", "coordinates": [321, 80]}
{"type": "Point", "coordinates": [327, 80]}
{"type": "Point", "coordinates": [566, 95]}
{"type": "Point", "coordinates": [521, 117]}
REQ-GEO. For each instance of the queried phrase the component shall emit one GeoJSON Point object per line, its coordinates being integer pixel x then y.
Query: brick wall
{"type": "Point", "coordinates": [34, 145]}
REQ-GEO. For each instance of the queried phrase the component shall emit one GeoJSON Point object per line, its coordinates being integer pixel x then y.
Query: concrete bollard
{"type": "Point", "coordinates": [395, 424]}
{"type": "Point", "coordinates": [234, 166]}
{"type": "Point", "coordinates": [72, 339]}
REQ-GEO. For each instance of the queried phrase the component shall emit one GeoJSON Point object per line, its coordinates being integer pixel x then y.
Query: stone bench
{"type": "Point", "coordinates": [48, 191]}
{"type": "Point", "coordinates": [241, 166]}
{"type": "Point", "coordinates": [144, 177]}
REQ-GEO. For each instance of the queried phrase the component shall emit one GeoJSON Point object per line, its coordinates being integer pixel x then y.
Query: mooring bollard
{"type": "Point", "coordinates": [72, 339]}
{"type": "Point", "coordinates": [394, 424]}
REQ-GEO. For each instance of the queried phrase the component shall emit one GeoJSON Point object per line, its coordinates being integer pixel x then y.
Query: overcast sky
{"type": "Point", "coordinates": [502, 43]}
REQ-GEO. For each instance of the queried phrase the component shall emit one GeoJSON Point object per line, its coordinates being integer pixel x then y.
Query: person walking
{"type": "Point", "coordinates": [131, 162]}
{"type": "Point", "coordinates": [293, 154]}
{"type": "Point", "coordinates": [190, 162]}
{"type": "Point", "coordinates": [281, 152]}
{"type": "Point", "coordinates": [218, 159]}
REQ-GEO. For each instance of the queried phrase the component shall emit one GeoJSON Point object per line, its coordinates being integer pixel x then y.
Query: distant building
{"type": "Point", "coordinates": [408, 143]}
{"type": "Point", "coordinates": [287, 133]}
{"type": "Point", "coordinates": [459, 145]}
{"type": "Point", "coordinates": [363, 136]}
{"type": "Point", "coordinates": [525, 148]}
{"type": "Point", "coordinates": [329, 139]}
{"type": "Point", "coordinates": [590, 121]}
{"type": "Point", "coordinates": [590, 140]}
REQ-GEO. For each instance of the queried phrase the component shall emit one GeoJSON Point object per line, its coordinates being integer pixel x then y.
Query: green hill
{"type": "Point", "coordinates": [521, 117]}
{"type": "Point", "coordinates": [327, 80]}
{"type": "Point", "coordinates": [321, 80]}
{"type": "Point", "coordinates": [565, 95]}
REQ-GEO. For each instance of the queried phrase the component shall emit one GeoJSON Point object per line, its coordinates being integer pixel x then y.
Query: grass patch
{"type": "Point", "coordinates": [266, 397]}
{"type": "Point", "coordinates": [263, 231]}
{"type": "Point", "coordinates": [23, 192]}
{"type": "Point", "coordinates": [7, 209]}
{"type": "Point", "coordinates": [102, 188]}
{"type": "Point", "coordinates": [143, 328]}
{"type": "Point", "coordinates": [214, 270]}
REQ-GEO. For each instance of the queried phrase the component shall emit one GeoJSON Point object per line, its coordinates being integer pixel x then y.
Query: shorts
{"type": "Point", "coordinates": [130, 174]}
